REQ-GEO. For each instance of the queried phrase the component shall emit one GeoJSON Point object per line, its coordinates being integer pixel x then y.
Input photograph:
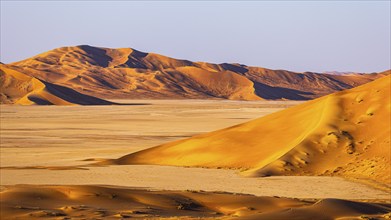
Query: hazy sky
{"type": "Point", "coordinates": [300, 36]}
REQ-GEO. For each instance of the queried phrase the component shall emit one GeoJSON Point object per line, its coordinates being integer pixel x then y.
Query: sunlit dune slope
{"type": "Point", "coordinates": [105, 202]}
{"type": "Point", "coordinates": [345, 133]}
{"type": "Point", "coordinates": [126, 73]}
{"type": "Point", "coordinates": [19, 88]}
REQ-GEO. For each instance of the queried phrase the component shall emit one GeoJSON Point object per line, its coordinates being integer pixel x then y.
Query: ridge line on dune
{"type": "Point", "coordinates": [302, 137]}
{"type": "Point", "coordinates": [42, 92]}
{"type": "Point", "coordinates": [17, 87]}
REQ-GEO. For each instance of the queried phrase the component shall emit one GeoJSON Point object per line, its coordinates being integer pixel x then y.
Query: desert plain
{"type": "Point", "coordinates": [50, 167]}
{"type": "Point", "coordinates": [100, 133]}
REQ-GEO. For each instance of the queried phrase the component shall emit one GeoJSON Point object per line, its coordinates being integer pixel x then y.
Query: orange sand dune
{"type": "Point", "coordinates": [345, 134]}
{"type": "Point", "coordinates": [126, 73]}
{"type": "Point", "coordinates": [109, 202]}
{"type": "Point", "coordinates": [19, 88]}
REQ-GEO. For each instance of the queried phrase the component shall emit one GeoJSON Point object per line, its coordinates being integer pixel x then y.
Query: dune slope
{"type": "Point", "coordinates": [109, 202]}
{"type": "Point", "coordinates": [345, 134]}
{"type": "Point", "coordinates": [126, 73]}
{"type": "Point", "coordinates": [19, 88]}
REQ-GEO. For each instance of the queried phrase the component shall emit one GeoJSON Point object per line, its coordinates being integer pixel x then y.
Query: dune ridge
{"type": "Point", "coordinates": [345, 134]}
{"type": "Point", "coordinates": [126, 73]}
{"type": "Point", "coordinates": [113, 202]}
{"type": "Point", "coordinates": [19, 88]}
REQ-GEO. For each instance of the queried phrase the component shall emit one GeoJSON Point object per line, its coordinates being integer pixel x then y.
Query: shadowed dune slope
{"type": "Point", "coordinates": [19, 88]}
{"type": "Point", "coordinates": [345, 134]}
{"type": "Point", "coordinates": [107, 202]}
{"type": "Point", "coordinates": [126, 73]}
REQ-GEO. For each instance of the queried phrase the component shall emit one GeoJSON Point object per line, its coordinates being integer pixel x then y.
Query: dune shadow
{"type": "Point", "coordinates": [270, 92]}
{"type": "Point", "coordinates": [235, 68]}
{"type": "Point", "coordinates": [39, 100]}
{"type": "Point", "coordinates": [75, 97]}
{"type": "Point", "coordinates": [98, 55]}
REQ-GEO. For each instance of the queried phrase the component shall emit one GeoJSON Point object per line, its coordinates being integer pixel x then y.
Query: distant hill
{"type": "Point", "coordinates": [130, 74]}
{"type": "Point", "coordinates": [341, 73]}
{"type": "Point", "coordinates": [19, 88]}
{"type": "Point", "coordinates": [346, 133]}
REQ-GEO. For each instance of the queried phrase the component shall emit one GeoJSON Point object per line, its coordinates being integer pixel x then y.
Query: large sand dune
{"type": "Point", "coordinates": [345, 134]}
{"type": "Point", "coordinates": [19, 88]}
{"type": "Point", "coordinates": [130, 74]}
{"type": "Point", "coordinates": [108, 202]}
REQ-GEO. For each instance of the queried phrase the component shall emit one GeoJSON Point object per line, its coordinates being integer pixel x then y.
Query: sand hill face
{"type": "Point", "coordinates": [19, 88]}
{"type": "Point", "coordinates": [130, 74]}
{"type": "Point", "coordinates": [345, 133]}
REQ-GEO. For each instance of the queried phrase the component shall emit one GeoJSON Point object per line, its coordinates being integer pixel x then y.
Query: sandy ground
{"type": "Point", "coordinates": [36, 136]}
{"type": "Point", "coordinates": [178, 178]}
{"type": "Point", "coordinates": [108, 202]}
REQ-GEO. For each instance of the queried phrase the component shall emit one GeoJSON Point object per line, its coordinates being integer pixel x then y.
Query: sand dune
{"type": "Point", "coordinates": [130, 74]}
{"type": "Point", "coordinates": [109, 202]}
{"type": "Point", "coordinates": [345, 134]}
{"type": "Point", "coordinates": [19, 88]}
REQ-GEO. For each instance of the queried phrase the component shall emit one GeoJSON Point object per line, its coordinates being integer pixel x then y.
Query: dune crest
{"type": "Point", "coordinates": [19, 88]}
{"type": "Point", "coordinates": [126, 73]}
{"type": "Point", "coordinates": [345, 134]}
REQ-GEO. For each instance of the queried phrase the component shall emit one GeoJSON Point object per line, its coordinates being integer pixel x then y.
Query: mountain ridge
{"type": "Point", "coordinates": [126, 73]}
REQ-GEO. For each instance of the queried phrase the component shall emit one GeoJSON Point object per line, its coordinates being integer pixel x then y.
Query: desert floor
{"type": "Point", "coordinates": [66, 135]}
{"type": "Point", "coordinates": [54, 145]}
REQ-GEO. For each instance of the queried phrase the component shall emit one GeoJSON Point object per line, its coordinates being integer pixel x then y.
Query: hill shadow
{"type": "Point", "coordinates": [75, 97]}
{"type": "Point", "coordinates": [270, 92]}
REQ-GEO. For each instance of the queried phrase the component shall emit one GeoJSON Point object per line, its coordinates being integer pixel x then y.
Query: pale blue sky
{"type": "Point", "coordinates": [299, 35]}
